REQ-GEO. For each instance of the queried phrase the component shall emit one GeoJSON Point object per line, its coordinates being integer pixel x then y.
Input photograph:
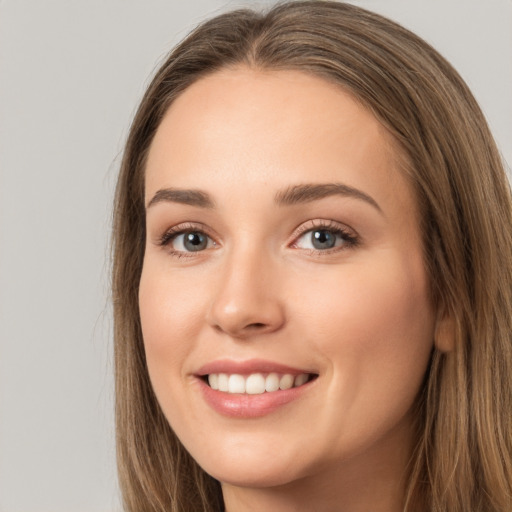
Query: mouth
{"type": "Point", "coordinates": [256, 383]}
{"type": "Point", "coordinates": [252, 388]}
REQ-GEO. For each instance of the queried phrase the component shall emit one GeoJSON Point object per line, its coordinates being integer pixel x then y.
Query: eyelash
{"type": "Point", "coordinates": [172, 233]}
{"type": "Point", "coordinates": [350, 240]}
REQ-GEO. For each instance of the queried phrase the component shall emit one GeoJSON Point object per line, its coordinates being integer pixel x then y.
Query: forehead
{"type": "Point", "coordinates": [250, 127]}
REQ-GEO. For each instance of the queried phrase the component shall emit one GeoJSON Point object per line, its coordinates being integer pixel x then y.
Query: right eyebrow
{"type": "Point", "coordinates": [184, 196]}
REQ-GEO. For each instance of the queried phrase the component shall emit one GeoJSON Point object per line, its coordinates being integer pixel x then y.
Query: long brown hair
{"type": "Point", "coordinates": [463, 458]}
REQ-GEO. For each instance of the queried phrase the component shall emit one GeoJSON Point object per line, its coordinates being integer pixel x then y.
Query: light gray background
{"type": "Point", "coordinates": [71, 73]}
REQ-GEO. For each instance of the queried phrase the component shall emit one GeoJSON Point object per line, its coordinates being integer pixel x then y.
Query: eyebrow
{"type": "Point", "coordinates": [190, 197]}
{"type": "Point", "coordinates": [308, 192]}
{"type": "Point", "coordinates": [296, 194]}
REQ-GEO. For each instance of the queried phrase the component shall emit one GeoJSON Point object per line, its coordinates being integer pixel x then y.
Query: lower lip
{"type": "Point", "coordinates": [250, 406]}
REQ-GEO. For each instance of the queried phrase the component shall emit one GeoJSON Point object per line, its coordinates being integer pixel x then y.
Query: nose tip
{"type": "Point", "coordinates": [238, 323]}
{"type": "Point", "coordinates": [245, 309]}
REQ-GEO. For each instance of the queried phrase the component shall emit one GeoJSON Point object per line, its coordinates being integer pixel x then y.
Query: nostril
{"type": "Point", "coordinates": [256, 325]}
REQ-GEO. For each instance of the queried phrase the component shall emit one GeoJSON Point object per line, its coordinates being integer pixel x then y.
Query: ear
{"type": "Point", "coordinates": [444, 335]}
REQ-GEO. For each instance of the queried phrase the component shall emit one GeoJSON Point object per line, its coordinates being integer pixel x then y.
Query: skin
{"type": "Point", "coordinates": [358, 316]}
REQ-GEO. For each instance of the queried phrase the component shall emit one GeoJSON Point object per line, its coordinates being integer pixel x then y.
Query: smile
{"type": "Point", "coordinates": [252, 388]}
{"type": "Point", "coordinates": [256, 383]}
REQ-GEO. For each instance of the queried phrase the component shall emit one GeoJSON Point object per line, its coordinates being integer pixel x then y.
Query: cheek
{"type": "Point", "coordinates": [167, 315]}
{"type": "Point", "coordinates": [373, 322]}
{"type": "Point", "coordinates": [374, 328]}
{"type": "Point", "coordinates": [390, 294]}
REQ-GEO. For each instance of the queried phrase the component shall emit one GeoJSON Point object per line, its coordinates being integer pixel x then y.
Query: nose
{"type": "Point", "coordinates": [247, 301]}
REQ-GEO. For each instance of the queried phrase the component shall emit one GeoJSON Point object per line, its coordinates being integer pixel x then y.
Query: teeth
{"type": "Point", "coordinates": [272, 382]}
{"type": "Point", "coordinates": [223, 382]}
{"type": "Point", "coordinates": [213, 380]}
{"type": "Point", "coordinates": [236, 384]}
{"type": "Point", "coordinates": [286, 382]}
{"type": "Point", "coordinates": [255, 383]}
{"type": "Point", "coordinates": [300, 379]}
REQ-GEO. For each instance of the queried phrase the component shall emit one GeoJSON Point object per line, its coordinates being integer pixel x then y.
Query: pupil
{"type": "Point", "coordinates": [323, 240]}
{"type": "Point", "coordinates": [195, 241]}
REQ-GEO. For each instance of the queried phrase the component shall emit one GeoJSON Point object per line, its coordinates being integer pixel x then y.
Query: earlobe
{"type": "Point", "coordinates": [444, 336]}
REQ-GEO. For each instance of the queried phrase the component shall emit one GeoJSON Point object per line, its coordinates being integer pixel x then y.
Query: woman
{"type": "Point", "coordinates": [312, 275]}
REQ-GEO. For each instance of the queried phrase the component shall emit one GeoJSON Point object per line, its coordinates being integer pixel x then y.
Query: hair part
{"type": "Point", "coordinates": [463, 457]}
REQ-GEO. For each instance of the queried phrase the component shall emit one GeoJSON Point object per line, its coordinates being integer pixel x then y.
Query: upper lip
{"type": "Point", "coordinates": [247, 367]}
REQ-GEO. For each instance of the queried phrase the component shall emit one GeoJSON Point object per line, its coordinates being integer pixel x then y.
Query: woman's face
{"type": "Point", "coordinates": [283, 249]}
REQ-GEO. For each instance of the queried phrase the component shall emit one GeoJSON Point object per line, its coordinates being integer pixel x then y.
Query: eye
{"type": "Point", "coordinates": [186, 240]}
{"type": "Point", "coordinates": [323, 238]}
{"type": "Point", "coordinates": [191, 241]}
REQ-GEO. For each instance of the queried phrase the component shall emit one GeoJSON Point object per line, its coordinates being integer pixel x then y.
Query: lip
{"type": "Point", "coordinates": [245, 405]}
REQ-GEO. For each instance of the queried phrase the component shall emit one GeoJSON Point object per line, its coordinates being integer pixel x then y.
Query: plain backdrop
{"type": "Point", "coordinates": [71, 73]}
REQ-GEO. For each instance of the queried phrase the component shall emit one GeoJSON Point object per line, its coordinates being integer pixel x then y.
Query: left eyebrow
{"type": "Point", "coordinates": [308, 192]}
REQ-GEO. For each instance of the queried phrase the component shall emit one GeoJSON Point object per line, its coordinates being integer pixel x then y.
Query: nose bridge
{"type": "Point", "coordinates": [247, 300]}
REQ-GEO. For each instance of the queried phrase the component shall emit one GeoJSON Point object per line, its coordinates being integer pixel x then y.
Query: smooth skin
{"type": "Point", "coordinates": [357, 313]}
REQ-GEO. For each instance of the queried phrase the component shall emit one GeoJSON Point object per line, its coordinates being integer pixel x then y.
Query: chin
{"type": "Point", "coordinates": [245, 475]}
{"type": "Point", "coordinates": [251, 468]}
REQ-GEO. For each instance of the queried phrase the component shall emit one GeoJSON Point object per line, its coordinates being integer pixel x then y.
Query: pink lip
{"type": "Point", "coordinates": [250, 406]}
{"type": "Point", "coordinates": [247, 367]}
{"type": "Point", "coordinates": [244, 405]}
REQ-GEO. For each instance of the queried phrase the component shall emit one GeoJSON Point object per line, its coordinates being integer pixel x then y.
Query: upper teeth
{"type": "Point", "coordinates": [255, 383]}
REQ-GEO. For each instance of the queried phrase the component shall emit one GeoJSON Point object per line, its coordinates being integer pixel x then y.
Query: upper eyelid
{"type": "Point", "coordinates": [313, 224]}
{"type": "Point", "coordinates": [174, 231]}
{"type": "Point", "coordinates": [187, 226]}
